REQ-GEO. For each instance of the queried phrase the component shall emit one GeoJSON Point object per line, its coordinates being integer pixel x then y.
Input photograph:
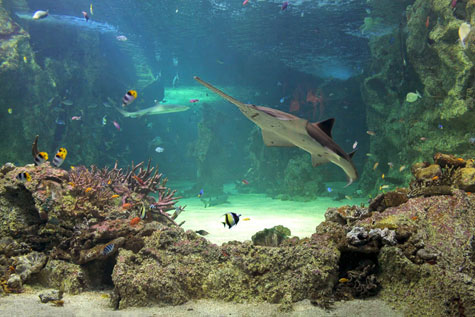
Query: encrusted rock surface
{"type": "Point", "coordinates": [272, 237]}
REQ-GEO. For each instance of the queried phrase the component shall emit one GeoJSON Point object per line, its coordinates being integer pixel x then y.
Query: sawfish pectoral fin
{"type": "Point", "coordinates": [273, 139]}
{"type": "Point", "coordinates": [317, 159]}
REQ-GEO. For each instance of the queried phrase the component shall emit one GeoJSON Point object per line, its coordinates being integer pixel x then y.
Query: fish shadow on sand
{"type": "Point", "coordinates": [219, 200]}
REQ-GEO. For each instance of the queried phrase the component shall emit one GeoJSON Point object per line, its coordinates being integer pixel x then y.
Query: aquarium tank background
{"type": "Point", "coordinates": [147, 113]}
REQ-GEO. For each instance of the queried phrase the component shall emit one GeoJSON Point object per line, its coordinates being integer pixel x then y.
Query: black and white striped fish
{"type": "Point", "coordinates": [108, 249]}
{"type": "Point", "coordinates": [231, 219]}
{"type": "Point", "coordinates": [129, 97]}
{"type": "Point", "coordinates": [23, 177]}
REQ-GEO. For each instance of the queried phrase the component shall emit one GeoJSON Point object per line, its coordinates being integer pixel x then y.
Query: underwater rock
{"type": "Point", "coordinates": [357, 236]}
{"type": "Point", "coordinates": [7, 167]}
{"type": "Point", "coordinates": [28, 264]}
{"type": "Point", "coordinates": [346, 213]}
{"type": "Point", "coordinates": [426, 255]}
{"type": "Point", "coordinates": [333, 214]}
{"type": "Point", "coordinates": [272, 237]}
{"type": "Point", "coordinates": [15, 282]}
{"type": "Point", "coordinates": [448, 160]}
{"type": "Point", "coordinates": [69, 277]}
{"type": "Point", "coordinates": [428, 173]}
{"type": "Point", "coordinates": [49, 296]}
{"type": "Point", "coordinates": [387, 237]}
{"type": "Point", "coordinates": [176, 266]}
{"type": "Point", "coordinates": [465, 179]}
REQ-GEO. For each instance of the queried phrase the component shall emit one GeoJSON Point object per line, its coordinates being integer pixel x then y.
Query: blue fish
{"type": "Point", "coordinates": [441, 126]}
{"type": "Point", "coordinates": [60, 122]}
{"type": "Point", "coordinates": [108, 249]}
{"type": "Point", "coordinates": [201, 193]}
{"type": "Point", "coordinates": [329, 189]}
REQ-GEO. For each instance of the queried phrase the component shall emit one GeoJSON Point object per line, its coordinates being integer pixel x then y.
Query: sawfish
{"type": "Point", "coordinates": [157, 109]}
{"type": "Point", "coordinates": [283, 129]}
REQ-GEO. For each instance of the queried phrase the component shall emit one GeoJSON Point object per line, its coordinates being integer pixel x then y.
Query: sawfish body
{"type": "Point", "coordinates": [283, 129]}
{"type": "Point", "coordinates": [157, 109]}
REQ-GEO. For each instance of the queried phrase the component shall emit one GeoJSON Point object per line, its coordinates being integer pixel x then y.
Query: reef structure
{"type": "Point", "coordinates": [420, 236]}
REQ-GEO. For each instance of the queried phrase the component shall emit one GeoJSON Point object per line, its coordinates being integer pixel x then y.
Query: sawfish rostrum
{"type": "Point", "coordinates": [283, 129]}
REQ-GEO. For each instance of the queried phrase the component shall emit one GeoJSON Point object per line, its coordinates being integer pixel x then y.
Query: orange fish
{"type": "Point", "coordinates": [126, 206]}
{"type": "Point", "coordinates": [427, 22]}
{"type": "Point", "coordinates": [435, 178]}
{"type": "Point", "coordinates": [139, 180]}
{"type": "Point", "coordinates": [134, 221]}
{"type": "Point", "coordinates": [414, 218]}
{"type": "Point", "coordinates": [88, 189]}
{"type": "Point", "coordinates": [114, 196]}
{"type": "Point", "coordinates": [109, 182]}
{"type": "Point", "coordinates": [460, 159]}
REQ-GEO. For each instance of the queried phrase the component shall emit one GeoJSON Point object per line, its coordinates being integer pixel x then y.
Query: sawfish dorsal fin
{"type": "Point", "coordinates": [326, 126]}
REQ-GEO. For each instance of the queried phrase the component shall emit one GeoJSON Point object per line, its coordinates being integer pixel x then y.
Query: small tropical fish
{"type": "Point", "coordinates": [115, 196]}
{"type": "Point", "coordinates": [440, 126]}
{"type": "Point", "coordinates": [348, 197]}
{"type": "Point", "coordinates": [382, 176]}
{"type": "Point", "coordinates": [371, 132]}
{"type": "Point", "coordinates": [329, 189]}
{"type": "Point", "coordinates": [76, 118]}
{"type": "Point", "coordinates": [143, 212]}
{"type": "Point", "coordinates": [201, 193]}
{"type": "Point", "coordinates": [72, 168]}
{"type": "Point", "coordinates": [71, 184]}
{"type": "Point", "coordinates": [285, 4]}
{"type": "Point", "coordinates": [60, 121]}
{"type": "Point", "coordinates": [427, 22]}
{"type": "Point", "coordinates": [40, 158]}
{"type": "Point", "coordinates": [355, 145]}
{"type": "Point", "coordinates": [104, 120]}
{"type": "Point", "coordinates": [343, 280]}
{"type": "Point", "coordinates": [390, 164]}
{"type": "Point", "coordinates": [245, 2]}
{"type": "Point", "coordinates": [88, 189]}
{"type": "Point", "coordinates": [116, 125]}
{"type": "Point", "coordinates": [126, 206]}
{"type": "Point", "coordinates": [134, 221]}
{"type": "Point", "coordinates": [423, 138]}
{"type": "Point", "coordinates": [86, 17]}
{"type": "Point", "coordinates": [435, 178]}
{"type": "Point", "coordinates": [10, 110]}
{"type": "Point", "coordinates": [129, 97]}
{"type": "Point", "coordinates": [24, 177]}
{"type": "Point", "coordinates": [121, 38]}
{"type": "Point", "coordinates": [402, 168]}
{"type": "Point", "coordinates": [246, 219]}
{"type": "Point", "coordinates": [383, 187]}
{"type": "Point", "coordinates": [220, 62]}
{"type": "Point", "coordinates": [108, 249]}
{"type": "Point", "coordinates": [25, 60]}
{"type": "Point", "coordinates": [178, 210]}
{"type": "Point", "coordinates": [413, 96]}
{"type": "Point", "coordinates": [40, 14]}
{"type": "Point", "coordinates": [464, 30]}
{"type": "Point", "coordinates": [59, 157]}
{"type": "Point", "coordinates": [159, 149]}
{"type": "Point", "coordinates": [369, 154]}
{"type": "Point", "coordinates": [231, 219]}
{"type": "Point", "coordinates": [194, 100]}
{"type": "Point", "coordinates": [91, 9]}
{"type": "Point", "coordinates": [375, 166]}
{"type": "Point", "coordinates": [245, 182]}
{"type": "Point", "coordinates": [453, 4]}
{"type": "Point", "coordinates": [109, 182]}
{"type": "Point", "coordinates": [202, 232]}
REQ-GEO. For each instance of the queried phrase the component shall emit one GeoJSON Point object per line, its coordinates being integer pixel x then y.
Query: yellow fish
{"type": "Point", "coordinates": [375, 166]}
{"type": "Point", "coordinates": [343, 280]}
{"type": "Point", "coordinates": [10, 110]}
{"type": "Point", "coordinates": [246, 219]}
{"type": "Point", "coordinates": [71, 183]}
{"type": "Point", "coordinates": [25, 59]}
{"type": "Point", "coordinates": [383, 187]}
{"type": "Point", "coordinates": [40, 158]}
{"type": "Point", "coordinates": [109, 182]}
{"type": "Point", "coordinates": [88, 189]}
{"type": "Point", "coordinates": [402, 168]}
{"type": "Point", "coordinates": [72, 168]}
{"type": "Point", "coordinates": [24, 177]}
{"type": "Point", "coordinates": [382, 176]}
{"type": "Point", "coordinates": [59, 157]}
{"type": "Point", "coordinates": [114, 196]}
{"type": "Point", "coordinates": [91, 10]}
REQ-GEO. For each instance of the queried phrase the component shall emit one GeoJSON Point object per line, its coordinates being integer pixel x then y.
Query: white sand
{"type": "Point", "coordinates": [300, 217]}
{"type": "Point", "coordinates": [90, 304]}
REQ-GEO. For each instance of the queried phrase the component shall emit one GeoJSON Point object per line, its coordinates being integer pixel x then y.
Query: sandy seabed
{"type": "Point", "coordinates": [264, 212]}
{"type": "Point", "coordinates": [89, 304]}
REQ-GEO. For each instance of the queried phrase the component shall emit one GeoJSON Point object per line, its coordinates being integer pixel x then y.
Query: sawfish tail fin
{"type": "Point", "coordinates": [219, 92]}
